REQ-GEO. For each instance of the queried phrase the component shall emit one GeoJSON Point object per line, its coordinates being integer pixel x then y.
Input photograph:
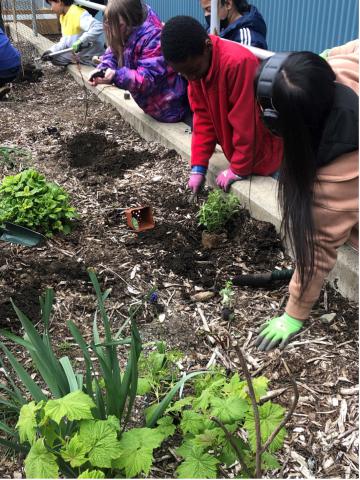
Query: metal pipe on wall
{"type": "Point", "coordinates": [95, 6]}
{"type": "Point", "coordinates": [33, 19]}
{"type": "Point", "coordinates": [215, 22]}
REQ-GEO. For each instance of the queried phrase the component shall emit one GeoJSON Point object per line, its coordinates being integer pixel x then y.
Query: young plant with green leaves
{"type": "Point", "coordinates": [64, 437]}
{"type": "Point", "coordinates": [28, 199]}
{"type": "Point", "coordinates": [227, 298]}
{"type": "Point", "coordinates": [219, 208]}
{"type": "Point", "coordinates": [205, 445]}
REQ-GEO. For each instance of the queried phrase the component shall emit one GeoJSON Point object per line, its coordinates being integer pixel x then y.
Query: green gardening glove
{"type": "Point", "coordinates": [277, 332]}
{"type": "Point", "coordinates": [76, 46]}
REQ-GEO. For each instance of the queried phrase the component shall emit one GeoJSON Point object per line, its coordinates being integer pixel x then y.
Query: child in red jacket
{"type": "Point", "coordinates": [221, 94]}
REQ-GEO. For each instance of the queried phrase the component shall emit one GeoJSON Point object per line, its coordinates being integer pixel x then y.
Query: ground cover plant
{"type": "Point", "coordinates": [125, 171]}
{"type": "Point", "coordinates": [28, 199]}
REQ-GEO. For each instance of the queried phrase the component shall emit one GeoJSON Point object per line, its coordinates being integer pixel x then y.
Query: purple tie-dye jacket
{"type": "Point", "coordinates": [154, 85]}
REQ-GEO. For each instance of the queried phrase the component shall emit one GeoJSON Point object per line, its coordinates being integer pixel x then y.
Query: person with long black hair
{"type": "Point", "coordinates": [313, 105]}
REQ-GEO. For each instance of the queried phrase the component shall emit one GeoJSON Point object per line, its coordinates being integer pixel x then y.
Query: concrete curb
{"type": "Point", "coordinates": [258, 195]}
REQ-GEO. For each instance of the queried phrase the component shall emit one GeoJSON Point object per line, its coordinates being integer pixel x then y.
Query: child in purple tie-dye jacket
{"type": "Point", "coordinates": [134, 61]}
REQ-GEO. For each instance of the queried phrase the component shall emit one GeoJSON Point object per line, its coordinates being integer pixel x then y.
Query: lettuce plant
{"type": "Point", "coordinates": [28, 199]}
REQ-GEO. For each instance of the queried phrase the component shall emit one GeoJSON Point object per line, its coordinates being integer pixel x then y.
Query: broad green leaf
{"type": "Point", "coordinates": [198, 465]}
{"type": "Point", "coordinates": [143, 386]}
{"type": "Point", "coordinates": [186, 447]}
{"type": "Point", "coordinates": [137, 447]}
{"type": "Point", "coordinates": [203, 401]}
{"type": "Point", "coordinates": [229, 410]}
{"type": "Point", "coordinates": [74, 452]}
{"type": "Point", "coordinates": [228, 454]}
{"type": "Point", "coordinates": [180, 404]}
{"type": "Point", "coordinates": [207, 439]}
{"type": "Point", "coordinates": [49, 430]}
{"type": "Point", "coordinates": [40, 463]}
{"type": "Point", "coordinates": [113, 422]}
{"type": "Point", "coordinates": [235, 387]}
{"type": "Point", "coordinates": [270, 462]}
{"type": "Point", "coordinates": [100, 439]}
{"type": "Point", "coordinates": [270, 417]}
{"type": "Point", "coordinates": [26, 423]}
{"type": "Point", "coordinates": [166, 427]}
{"type": "Point", "coordinates": [75, 406]}
{"type": "Point", "coordinates": [92, 474]}
{"type": "Point", "coordinates": [260, 385]}
{"type": "Point", "coordinates": [192, 422]}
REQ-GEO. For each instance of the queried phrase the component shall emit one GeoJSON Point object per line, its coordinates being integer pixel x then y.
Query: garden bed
{"type": "Point", "coordinates": [88, 149]}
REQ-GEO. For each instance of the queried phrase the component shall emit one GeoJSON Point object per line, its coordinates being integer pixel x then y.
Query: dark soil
{"type": "Point", "coordinates": [87, 148]}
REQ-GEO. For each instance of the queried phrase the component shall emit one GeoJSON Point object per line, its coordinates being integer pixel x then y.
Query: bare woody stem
{"type": "Point", "coordinates": [232, 442]}
{"type": "Point", "coordinates": [259, 450]}
{"type": "Point", "coordinates": [290, 412]}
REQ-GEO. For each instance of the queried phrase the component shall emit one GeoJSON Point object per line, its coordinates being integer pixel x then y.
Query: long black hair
{"type": "Point", "coordinates": [303, 94]}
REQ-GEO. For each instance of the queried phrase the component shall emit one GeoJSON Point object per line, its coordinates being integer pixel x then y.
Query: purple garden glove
{"type": "Point", "coordinates": [226, 178]}
{"type": "Point", "coordinates": [196, 181]}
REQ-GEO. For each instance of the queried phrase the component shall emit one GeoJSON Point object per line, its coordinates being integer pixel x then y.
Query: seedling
{"type": "Point", "coordinates": [218, 210]}
{"type": "Point", "coordinates": [227, 294]}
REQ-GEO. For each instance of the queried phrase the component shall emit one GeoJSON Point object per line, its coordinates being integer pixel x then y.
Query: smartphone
{"type": "Point", "coordinates": [98, 74]}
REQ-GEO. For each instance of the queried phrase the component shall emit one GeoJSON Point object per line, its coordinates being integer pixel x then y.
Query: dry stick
{"type": "Point", "coordinates": [86, 95]}
{"type": "Point", "coordinates": [232, 442]}
{"type": "Point", "coordinates": [252, 396]}
{"type": "Point", "coordinates": [290, 412]}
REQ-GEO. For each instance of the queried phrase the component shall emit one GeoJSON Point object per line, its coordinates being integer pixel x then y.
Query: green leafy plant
{"type": "Point", "coordinates": [206, 445]}
{"type": "Point", "coordinates": [29, 200]}
{"type": "Point", "coordinates": [218, 210]}
{"type": "Point", "coordinates": [63, 436]}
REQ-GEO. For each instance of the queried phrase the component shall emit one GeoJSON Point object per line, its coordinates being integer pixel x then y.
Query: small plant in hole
{"type": "Point", "coordinates": [227, 294]}
{"type": "Point", "coordinates": [28, 199]}
{"type": "Point", "coordinates": [218, 210]}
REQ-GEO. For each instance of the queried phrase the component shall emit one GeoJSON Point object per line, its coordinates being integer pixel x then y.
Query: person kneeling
{"type": "Point", "coordinates": [221, 94]}
{"type": "Point", "coordinates": [80, 31]}
{"type": "Point", "coordinates": [134, 61]}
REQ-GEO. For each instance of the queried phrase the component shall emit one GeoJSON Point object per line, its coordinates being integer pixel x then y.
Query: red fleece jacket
{"type": "Point", "coordinates": [226, 112]}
